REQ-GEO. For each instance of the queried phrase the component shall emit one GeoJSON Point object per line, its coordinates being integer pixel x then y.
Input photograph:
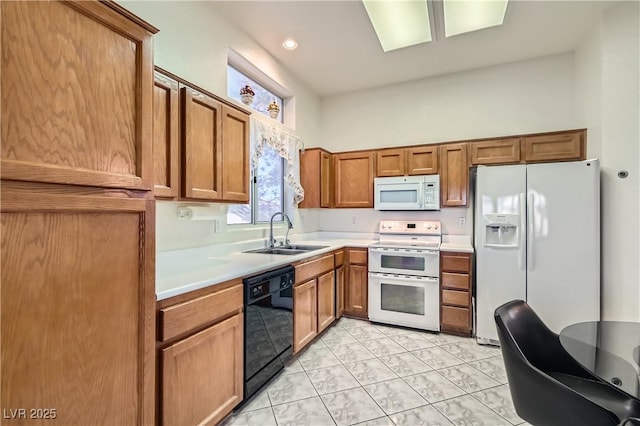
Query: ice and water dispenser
{"type": "Point", "coordinates": [501, 230]}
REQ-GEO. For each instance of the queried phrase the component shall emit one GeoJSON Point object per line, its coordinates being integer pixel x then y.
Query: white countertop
{"type": "Point", "coordinates": [460, 243]}
{"type": "Point", "coordinates": [181, 271]}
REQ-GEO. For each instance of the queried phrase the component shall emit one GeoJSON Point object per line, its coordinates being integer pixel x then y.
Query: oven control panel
{"type": "Point", "coordinates": [421, 227]}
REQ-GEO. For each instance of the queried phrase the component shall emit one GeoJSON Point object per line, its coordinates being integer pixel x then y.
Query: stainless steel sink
{"type": "Point", "coordinates": [276, 250]}
{"type": "Point", "coordinates": [303, 247]}
{"type": "Point", "coordinates": [289, 250]}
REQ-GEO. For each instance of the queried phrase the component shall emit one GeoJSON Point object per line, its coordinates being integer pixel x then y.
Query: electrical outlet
{"type": "Point", "coordinates": [353, 220]}
{"type": "Point", "coordinates": [216, 226]}
{"type": "Point", "coordinates": [462, 222]}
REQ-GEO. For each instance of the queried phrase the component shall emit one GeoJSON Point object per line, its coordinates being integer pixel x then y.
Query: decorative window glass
{"type": "Point", "coordinates": [268, 167]}
{"type": "Point", "coordinates": [262, 97]}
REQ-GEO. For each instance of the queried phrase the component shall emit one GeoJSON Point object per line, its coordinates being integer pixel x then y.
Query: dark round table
{"type": "Point", "coordinates": [609, 349]}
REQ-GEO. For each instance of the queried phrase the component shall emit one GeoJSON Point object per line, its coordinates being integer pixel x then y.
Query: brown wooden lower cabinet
{"type": "Point", "coordinates": [202, 375]}
{"type": "Point", "coordinates": [326, 300]}
{"type": "Point", "coordinates": [356, 285]}
{"type": "Point", "coordinates": [305, 323]}
{"type": "Point", "coordinates": [340, 296]}
{"type": "Point", "coordinates": [455, 293]}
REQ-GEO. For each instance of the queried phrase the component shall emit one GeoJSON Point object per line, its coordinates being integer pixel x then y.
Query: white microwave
{"type": "Point", "coordinates": [407, 193]}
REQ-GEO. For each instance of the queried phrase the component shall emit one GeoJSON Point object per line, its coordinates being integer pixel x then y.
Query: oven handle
{"type": "Point", "coordinates": [403, 250]}
{"type": "Point", "coordinates": [402, 277]}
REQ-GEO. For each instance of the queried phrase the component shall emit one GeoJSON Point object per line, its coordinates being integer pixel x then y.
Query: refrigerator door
{"type": "Point", "coordinates": [563, 277]}
{"type": "Point", "coordinates": [499, 243]}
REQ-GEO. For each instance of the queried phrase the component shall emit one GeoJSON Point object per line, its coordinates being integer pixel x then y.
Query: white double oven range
{"type": "Point", "coordinates": [404, 275]}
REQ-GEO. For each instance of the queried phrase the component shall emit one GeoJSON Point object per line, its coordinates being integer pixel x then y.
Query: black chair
{"type": "Point", "coordinates": [548, 386]}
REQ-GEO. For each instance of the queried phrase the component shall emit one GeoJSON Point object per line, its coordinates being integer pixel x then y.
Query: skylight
{"type": "Point", "coordinates": [463, 16]}
{"type": "Point", "coordinates": [403, 23]}
{"type": "Point", "coordinates": [399, 23]}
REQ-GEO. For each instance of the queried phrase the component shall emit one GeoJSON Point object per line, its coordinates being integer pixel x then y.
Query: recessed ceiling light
{"type": "Point", "coordinates": [289, 44]}
{"type": "Point", "coordinates": [463, 16]}
{"type": "Point", "coordinates": [399, 23]}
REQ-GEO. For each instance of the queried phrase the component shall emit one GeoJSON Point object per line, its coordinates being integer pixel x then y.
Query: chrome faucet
{"type": "Point", "coordinates": [273, 241]}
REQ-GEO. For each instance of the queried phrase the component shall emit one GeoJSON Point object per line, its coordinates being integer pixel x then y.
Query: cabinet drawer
{"type": "Point", "coordinates": [186, 316]}
{"type": "Point", "coordinates": [456, 317]}
{"type": "Point", "coordinates": [313, 268]}
{"type": "Point", "coordinates": [358, 256]}
{"type": "Point", "coordinates": [455, 281]}
{"type": "Point", "coordinates": [456, 262]}
{"type": "Point", "coordinates": [455, 297]}
{"type": "Point", "coordinates": [339, 258]}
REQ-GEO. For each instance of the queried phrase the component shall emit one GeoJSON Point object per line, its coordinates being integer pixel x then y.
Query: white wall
{"type": "Point", "coordinates": [192, 43]}
{"type": "Point", "coordinates": [608, 103]}
{"type": "Point", "coordinates": [524, 97]}
{"type": "Point", "coordinates": [367, 220]}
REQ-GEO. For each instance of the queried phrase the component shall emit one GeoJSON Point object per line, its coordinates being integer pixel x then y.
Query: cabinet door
{"type": "Point", "coordinates": [77, 307]}
{"type": "Point", "coordinates": [454, 180]}
{"type": "Point", "coordinates": [201, 146]}
{"type": "Point", "coordinates": [305, 318]}
{"type": "Point", "coordinates": [422, 160]}
{"type": "Point", "coordinates": [166, 135]}
{"type": "Point", "coordinates": [202, 375]}
{"type": "Point", "coordinates": [310, 178]}
{"type": "Point", "coordinates": [326, 179]}
{"type": "Point", "coordinates": [340, 291]}
{"type": "Point", "coordinates": [357, 291]}
{"type": "Point", "coordinates": [502, 151]}
{"type": "Point", "coordinates": [76, 101]}
{"type": "Point", "coordinates": [391, 162]}
{"type": "Point", "coordinates": [353, 178]}
{"type": "Point", "coordinates": [555, 147]}
{"type": "Point", "coordinates": [326, 300]}
{"type": "Point", "coordinates": [235, 155]}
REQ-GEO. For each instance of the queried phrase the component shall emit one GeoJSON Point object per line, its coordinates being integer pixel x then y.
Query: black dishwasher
{"type": "Point", "coordinates": [268, 326]}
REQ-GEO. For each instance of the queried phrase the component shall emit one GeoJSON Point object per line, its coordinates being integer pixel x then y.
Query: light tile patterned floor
{"type": "Point", "coordinates": [370, 374]}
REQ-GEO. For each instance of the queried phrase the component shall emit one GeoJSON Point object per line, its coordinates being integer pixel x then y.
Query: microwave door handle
{"type": "Point", "coordinates": [421, 195]}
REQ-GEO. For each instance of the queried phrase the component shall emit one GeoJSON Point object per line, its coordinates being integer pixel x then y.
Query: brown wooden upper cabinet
{"type": "Point", "coordinates": [454, 175]}
{"type": "Point", "coordinates": [166, 133]}
{"type": "Point", "coordinates": [201, 145]}
{"type": "Point", "coordinates": [215, 149]}
{"type": "Point", "coordinates": [87, 87]}
{"type": "Point", "coordinates": [560, 146]}
{"type": "Point", "coordinates": [235, 155]}
{"type": "Point", "coordinates": [391, 162]}
{"type": "Point", "coordinates": [500, 151]}
{"type": "Point", "coordinates": [316, 178]}
{"type": "Point", "coordinates": [421, 160]}
{"type": "Point", "coordinates": [353, 177]}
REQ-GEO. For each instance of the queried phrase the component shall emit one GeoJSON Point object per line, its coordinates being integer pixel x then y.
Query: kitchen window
{"type": "Point", "coordinates": [268, 165]}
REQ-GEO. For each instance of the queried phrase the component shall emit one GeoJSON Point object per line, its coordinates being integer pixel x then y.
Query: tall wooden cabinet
{"type": "Point", "coordinates": [77, 226]}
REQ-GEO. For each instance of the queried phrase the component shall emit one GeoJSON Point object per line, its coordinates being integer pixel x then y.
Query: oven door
{"type": "Point", "coordinates": [405, 300]}
{"type": "Point", "coordinates": [405, 261]}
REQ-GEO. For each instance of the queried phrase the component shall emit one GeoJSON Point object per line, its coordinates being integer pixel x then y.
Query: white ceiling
{"type": "Point", "coordinates": [339, 52]}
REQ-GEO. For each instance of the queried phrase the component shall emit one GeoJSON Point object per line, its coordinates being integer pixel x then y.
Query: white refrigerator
{"type": "Point", "coordinates": [537, 238]}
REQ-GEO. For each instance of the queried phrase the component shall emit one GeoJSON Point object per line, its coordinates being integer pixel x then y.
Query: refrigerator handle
{"type": "Point", "coordinates": [523, 226]}
{"type": "Point", "coordinates": [530, 233]}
